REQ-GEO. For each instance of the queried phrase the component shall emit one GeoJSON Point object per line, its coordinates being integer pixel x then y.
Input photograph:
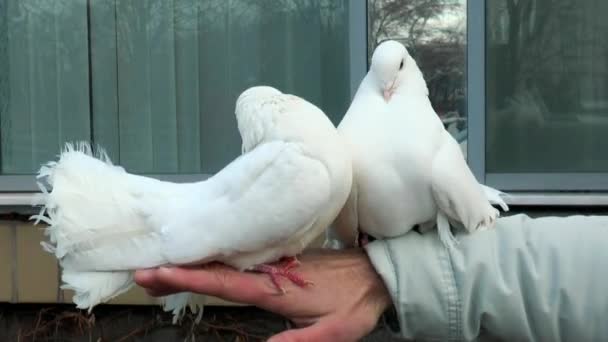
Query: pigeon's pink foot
{"type": "Point", "coordinates": [290, 262]}
{"type": "Point", "coordinates": [283, 268]}
{"type": "Point", "coordinates": [363, 239]}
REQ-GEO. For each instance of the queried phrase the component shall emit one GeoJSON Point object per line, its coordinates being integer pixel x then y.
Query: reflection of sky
{"type": "Point", "coordinates": [452, 19]}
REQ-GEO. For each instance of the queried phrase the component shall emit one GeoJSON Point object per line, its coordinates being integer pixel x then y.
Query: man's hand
{"type": "Point", "coordinates": [344, 303]}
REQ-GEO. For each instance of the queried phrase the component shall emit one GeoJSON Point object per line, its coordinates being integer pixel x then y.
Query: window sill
{"type": "Point", "coordinates": [18, 203]}
{"type": "Point", "coordinates": [17, 199]}
{"type": "Point", "coordinates": [567, 199]}
{"type": "Point", "coordinates": [22, 201]}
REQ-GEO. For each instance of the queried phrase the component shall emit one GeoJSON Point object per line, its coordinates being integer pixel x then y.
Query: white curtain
{"type": "Point", "coordinates": [44, 73]}
{"type": "Point", "coordinates": [155, 82]}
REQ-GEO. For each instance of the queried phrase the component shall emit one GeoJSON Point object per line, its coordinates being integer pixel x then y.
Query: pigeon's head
{"type": "Point", "coordinates": [252, 97]}
{"type": "Point", "coordinates": [392, 67]}
{"type": "Point", "coordinates": [256, 93]}
{"type": "Point", "coordinates": [248, 113]}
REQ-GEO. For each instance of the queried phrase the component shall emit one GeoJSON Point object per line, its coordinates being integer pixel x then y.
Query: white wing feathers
{"type": "Point", "coordinates": [261, 200]}
{"type": "Point", "coordinates": [458, 194]}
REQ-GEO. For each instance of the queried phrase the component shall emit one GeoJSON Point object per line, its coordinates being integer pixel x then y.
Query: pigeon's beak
{"type": "Point", "coordinates": [389, 89]}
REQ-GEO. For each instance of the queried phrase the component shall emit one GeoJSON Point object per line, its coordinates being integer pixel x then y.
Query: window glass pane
{"type": "Point", "coordinates": [155, 82]}
{"type": "Point", "coordinates": [434, 33]}
{"type": "Point", "coordinates": [547, 86]}
{"type": "Point", "coordinates": [44, 95]}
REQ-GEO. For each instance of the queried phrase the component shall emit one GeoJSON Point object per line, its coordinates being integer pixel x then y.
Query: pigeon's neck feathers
{"type": "Point", "coordinates": [367, 88]}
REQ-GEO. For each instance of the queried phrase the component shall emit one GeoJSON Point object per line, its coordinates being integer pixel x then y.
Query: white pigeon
{"type": "Point", "coordinates": [407, 169]}
{"type": "Point", "coordinates": [271, 202]}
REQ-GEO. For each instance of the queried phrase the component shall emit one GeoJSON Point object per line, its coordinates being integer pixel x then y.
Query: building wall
{"type": "Point", "coordinates": [28, 274]}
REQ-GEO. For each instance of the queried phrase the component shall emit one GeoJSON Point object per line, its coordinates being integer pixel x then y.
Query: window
{"type": "Point", "coordinates": [434, 33]}
{"type": "Point", "coordinates": [155, 82]}
{"type": "Point", "coordinates": [520, 84]}
{"type": "Point", "coordinates": [542, 123]}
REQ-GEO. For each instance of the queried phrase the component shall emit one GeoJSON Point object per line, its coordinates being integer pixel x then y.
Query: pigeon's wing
{"type": "Point", "coordinates": [456, 191]}
{"type": "Point", "coordinates": [264, 198]}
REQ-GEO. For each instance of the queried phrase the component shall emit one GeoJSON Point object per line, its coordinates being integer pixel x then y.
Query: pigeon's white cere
{"type": "Point", "coordinates": [292, 179]}
{"type": "Point", "coordinates": [407, 169]}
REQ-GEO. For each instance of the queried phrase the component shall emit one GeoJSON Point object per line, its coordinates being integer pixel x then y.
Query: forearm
{"type": "Point", "coordinates": [541, 279]}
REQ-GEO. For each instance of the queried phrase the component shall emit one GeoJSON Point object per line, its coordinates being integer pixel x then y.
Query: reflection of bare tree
{"type": "Point", "coordinates": [438, 48]}
{"type": "Point", "coordinates": [190, 17]}
{"type": "Point", "coordinates": [528, 27]}
{"type": "Point", "coordinates": [212, 12]}
{"type": "Point", "coordinates": [539, 48]}
{"type": "Point", "coordinates": [149, 59]}
{"type": "Point", "coordinates": [405, 19]}
{"type": "Point", "coordinates": [546, 75]}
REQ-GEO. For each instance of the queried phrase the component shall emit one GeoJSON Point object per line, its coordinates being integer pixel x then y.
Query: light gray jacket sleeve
{"type": "Point", "coordinates": [543, 279]}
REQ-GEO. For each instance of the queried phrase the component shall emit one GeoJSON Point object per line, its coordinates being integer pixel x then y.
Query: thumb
{"type": "Point", "coordinates": [320, 331]}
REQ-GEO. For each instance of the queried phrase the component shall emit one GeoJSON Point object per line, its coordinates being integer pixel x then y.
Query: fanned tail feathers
{"type": "Point", "coordinates": [92, 288]}
{"type": "Point", "coordinates": [94, 228]}
{"type": "Point", "coordinates": [72, 206]}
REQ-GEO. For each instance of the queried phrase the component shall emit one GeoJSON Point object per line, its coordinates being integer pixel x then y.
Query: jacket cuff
{"type": "Point", "coordinates": [417, 271]}
{"type": "Point", "coordinates": [378, 254]}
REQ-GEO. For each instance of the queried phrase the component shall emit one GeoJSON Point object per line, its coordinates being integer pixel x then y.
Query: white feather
{"type": "Point", "coordinates": [91, 288]}
{"type": "Point", "coordinates": [178, 303]}
{"type": "Point", "coordinates": [271, 202]}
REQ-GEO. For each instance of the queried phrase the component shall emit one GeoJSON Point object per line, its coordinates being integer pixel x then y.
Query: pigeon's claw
{"type": "Point", "coordinates": [363, 239]}
{"type": "Point", "coordinates": [283, 268]}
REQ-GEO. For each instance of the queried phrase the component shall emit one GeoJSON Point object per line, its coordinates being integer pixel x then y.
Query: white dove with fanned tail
{"type": "Point", "coordinates": [271, 202]}
{"type": "Point", "coordinates": [407, 169]}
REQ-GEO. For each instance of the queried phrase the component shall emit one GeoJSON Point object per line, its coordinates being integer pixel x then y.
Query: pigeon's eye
{"type": "Point", "coordinates": [401, 65]}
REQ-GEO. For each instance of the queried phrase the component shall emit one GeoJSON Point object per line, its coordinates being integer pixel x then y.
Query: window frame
{"type": "Point", "coordinates": [526, 188]}
{"type": "Point", "coordinates": [18, 190]}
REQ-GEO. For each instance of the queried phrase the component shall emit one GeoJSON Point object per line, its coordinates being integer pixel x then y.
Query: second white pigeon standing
{"type": "Point", "coordinates": [407, 169]}
{"type": "Point", "coordinates": [291, 181]}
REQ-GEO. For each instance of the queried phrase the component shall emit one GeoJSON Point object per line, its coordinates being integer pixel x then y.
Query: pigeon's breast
{"type": "Point", "coordinates": [394, 192]}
